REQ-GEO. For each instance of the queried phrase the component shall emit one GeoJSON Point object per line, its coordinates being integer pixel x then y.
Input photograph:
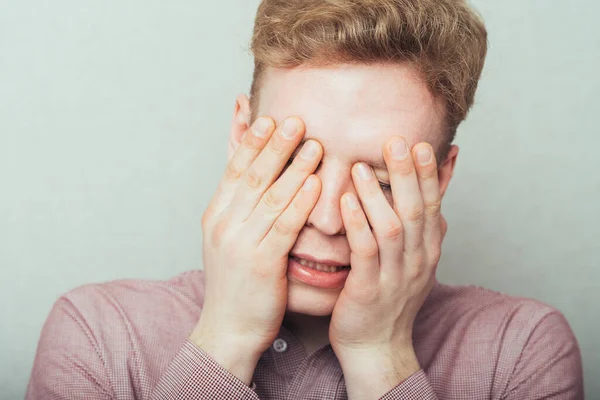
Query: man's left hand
{"type": "Point", "coordinates": [394, 254]}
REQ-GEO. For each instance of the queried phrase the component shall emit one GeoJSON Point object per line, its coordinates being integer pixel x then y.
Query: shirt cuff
{"type": "Point", "coordinates": [417, 386]}
{"type": "Point", "coordinates": [194, 374]}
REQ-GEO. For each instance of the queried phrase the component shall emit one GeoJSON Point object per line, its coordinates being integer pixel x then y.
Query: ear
{"type": "Point", "coordinates": [446, 170]}
{"type": "Point", "coordinates": [240, 123]}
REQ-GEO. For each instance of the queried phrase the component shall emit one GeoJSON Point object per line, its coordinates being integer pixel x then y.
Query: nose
{"type": "Point", "coordinates": [326, 216]}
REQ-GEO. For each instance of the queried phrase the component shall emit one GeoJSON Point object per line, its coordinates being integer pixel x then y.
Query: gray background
{"type": "Point", "coordinates": [113, 124]}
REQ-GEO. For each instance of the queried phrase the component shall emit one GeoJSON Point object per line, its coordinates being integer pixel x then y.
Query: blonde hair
{"type": "Point", "coordinates": [445, 40]}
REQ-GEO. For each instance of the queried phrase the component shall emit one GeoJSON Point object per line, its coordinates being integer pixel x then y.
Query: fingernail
{"type": "Point", "coordinates": [261, 127]}
{"type": "Point", "coordinates": [309, 150]}
{"type": "Point", "coordinates": [351, 201]}
{"type": "Point", "coordinates": [424, 155]}
{"type": "Point", "coordinates": [289, 129]}
{"type": "Point", "coordinates": [364, 171]}
{"type": "Point", "coordinates": [399, 149]}
{"type": "Point", "coordinates": [308, 184]}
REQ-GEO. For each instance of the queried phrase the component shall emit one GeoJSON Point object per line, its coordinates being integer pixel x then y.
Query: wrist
{"type": "Point", "coordinates": [233, 355]}
{"type": "Point", "coordinates": [371, 373]}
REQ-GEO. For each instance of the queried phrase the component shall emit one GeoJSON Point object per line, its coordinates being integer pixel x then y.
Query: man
{"type": "Point", "coordinates": [323, 238]}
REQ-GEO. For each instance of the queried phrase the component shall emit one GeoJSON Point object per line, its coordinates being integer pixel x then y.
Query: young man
{"type": "Point", "coordinates": [322, 240]}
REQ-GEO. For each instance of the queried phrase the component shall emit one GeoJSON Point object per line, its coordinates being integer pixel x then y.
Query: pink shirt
{"type": "Point", "coordinates": [127, 339]}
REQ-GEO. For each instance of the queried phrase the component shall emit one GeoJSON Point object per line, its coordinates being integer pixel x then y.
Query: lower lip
{"type": "Point", "coordinates": [313, 277]}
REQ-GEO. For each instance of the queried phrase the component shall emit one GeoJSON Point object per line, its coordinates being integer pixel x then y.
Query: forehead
{"type": "Point", "coordinates": [354, 108]}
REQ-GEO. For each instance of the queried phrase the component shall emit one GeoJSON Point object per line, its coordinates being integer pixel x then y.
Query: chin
{"type": "Point", "coordinates": [309, 300]}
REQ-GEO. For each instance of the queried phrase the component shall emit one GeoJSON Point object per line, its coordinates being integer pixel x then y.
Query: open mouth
{"type": "Point", "coordinates": [318, 266]}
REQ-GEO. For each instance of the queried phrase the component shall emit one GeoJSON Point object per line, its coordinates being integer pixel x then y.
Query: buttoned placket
{"type": "Point", "coordinates": [280, 345]}
{"type": "Point", "coordinates": [291, 359]}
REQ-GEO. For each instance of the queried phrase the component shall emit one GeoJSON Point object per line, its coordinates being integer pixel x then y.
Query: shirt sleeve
{"type": "Point", "coordinates": [193, 374]}
{"type": "Point", "coordinates": [67, 364]}
{"type": "Point", "coordinates": [417, 386]}
{"type": "Point", "coordinates": [550, 365]}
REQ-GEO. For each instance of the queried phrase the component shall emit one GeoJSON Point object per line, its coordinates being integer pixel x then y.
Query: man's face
{"type": "Point", "coordinates": [351, 111]}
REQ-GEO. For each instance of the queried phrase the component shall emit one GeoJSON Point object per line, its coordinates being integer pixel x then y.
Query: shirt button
{"type": "Point", "coordinates": [280, 345]}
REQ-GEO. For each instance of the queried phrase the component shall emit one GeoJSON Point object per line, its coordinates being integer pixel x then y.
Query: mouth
{"type": "Point", "coordinates": [319, 265]}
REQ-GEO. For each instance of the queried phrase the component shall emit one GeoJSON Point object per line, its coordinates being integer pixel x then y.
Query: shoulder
{"type": "Point", "coordinates": [491, 312]}
{"type": "Point", "coordinates": [94, 331]}
{"type": "Point", "coordinates": [122, 309]}
{"type": "Point", "coordinates": [145, 320]}
{"type": "Point", "coordinates": [522, 342]}
{"type": "Point", "coordinates": [186, 288]}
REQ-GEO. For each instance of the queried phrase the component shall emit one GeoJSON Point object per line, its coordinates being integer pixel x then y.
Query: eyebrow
{"type": "Point", "coordinates": [376, 164]}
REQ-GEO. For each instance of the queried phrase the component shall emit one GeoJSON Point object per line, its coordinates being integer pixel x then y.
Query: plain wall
{"type": "Point", "coordinates": [114, 119]}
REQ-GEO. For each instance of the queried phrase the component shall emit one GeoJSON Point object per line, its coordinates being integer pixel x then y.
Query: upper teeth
{"type": "Point", "coordinates": [317, 266]}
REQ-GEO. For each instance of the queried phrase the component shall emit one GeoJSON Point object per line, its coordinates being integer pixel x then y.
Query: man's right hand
{"type": "Point", "coordinates": [249, 228]}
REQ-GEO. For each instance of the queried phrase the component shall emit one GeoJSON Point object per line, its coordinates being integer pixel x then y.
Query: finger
{"type": "Point", "coordinates": [444, 226]}
{"type": "Point", "coordinates": [364, 256]}
{"type": "Point", "coordinates": [434, 225]}
{"type": "Point", "coordinates": [254, 141]}
{"type": "Point", "coordinates": [282, 192]}
{"type": "Point", "coordinates": [408, 202]}
{"type": "Point", "coordinates": [387, 227]}
{"type": "Point", "coordinates": [284, 232]}
{"type": "Point", "coordinates": [266, 168]}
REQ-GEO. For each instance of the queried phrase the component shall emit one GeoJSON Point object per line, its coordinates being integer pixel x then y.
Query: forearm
{"type": "Point", "coordinates": [369, 375]}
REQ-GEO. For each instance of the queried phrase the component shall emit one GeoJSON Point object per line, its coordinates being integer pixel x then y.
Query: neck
{"type": "Point", "coordinates": [312, 331]}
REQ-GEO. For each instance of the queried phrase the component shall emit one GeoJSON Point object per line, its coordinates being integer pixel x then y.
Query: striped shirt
{"type": "Point", "coordinates": [128, 339]}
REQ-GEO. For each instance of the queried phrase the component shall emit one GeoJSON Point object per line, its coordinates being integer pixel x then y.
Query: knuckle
{"type": "Point", "coordinates": [282, 229]}
{"type": "Point", "coordinates": [233, 172]}
{"type": "Point", "coordinates": [219, 232]}
{"type": "Point", "coordinates": [292, 208]}
{"type": "Point", "coordinates": [358, 223]}
{"type": "Point", "coordinates": [253, 179]}
{"type": "Point", "coordinates": [436, 254]}
{"type": "Point", "coordinates": [405, 169]}
{"type": "Point", "coordinates": [254, 143]}
{"type": "Point", "coordinates": [415, 214]}
{"type": "Point", "coordinates": [277, 147]}
{"type": "Point", "coordinates": [299, 168]}
{"type": "Point", "coordinates": [417, 269]}
{"type": "Point", "coordinates": [428, 173]}
{"type": "Point", "coordinates": [415, 244]}
{"type": "Point", "coordinates": [297, 207]}
{"type": "Point", "coordinates": [433, 208]}
{"type": "Point", "coordinates": [393, 231]}
{"type": "Point", "coordinates": [369, 252]}
{"type": "Point", "coordinates": [273, 201]}
{"type": "Point", "coordinates": [368, 295]}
